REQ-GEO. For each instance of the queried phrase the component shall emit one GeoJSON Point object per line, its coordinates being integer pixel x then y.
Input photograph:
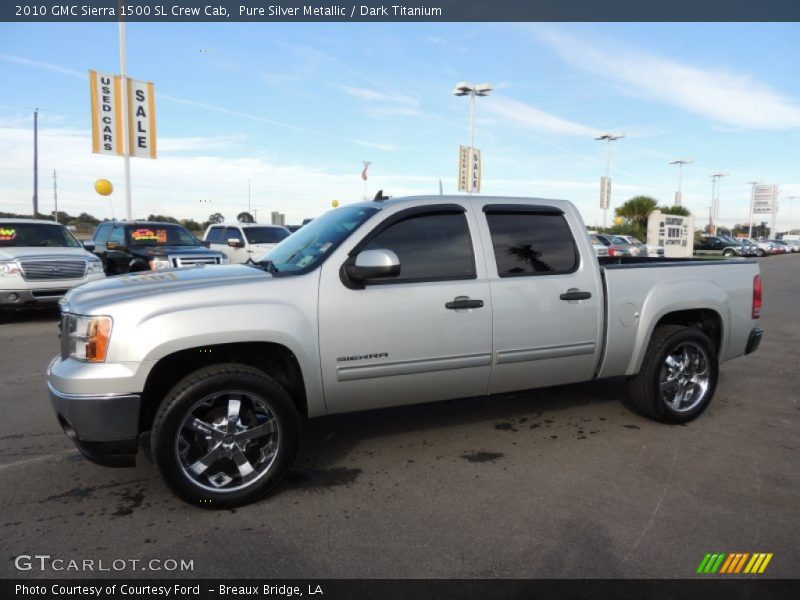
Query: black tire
{"type": "Point", "coordinates": [728, 253]}
{"type": "Point", "coordinates": [761, 252]}
{"type": "Point", "coordinates": [190, 395]}
{"type": "Point", "coordinates": [644, 388]}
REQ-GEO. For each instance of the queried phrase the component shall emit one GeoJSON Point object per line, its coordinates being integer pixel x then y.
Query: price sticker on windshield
{"type": "Point", "coordinates": [148, 235]}
{"type": "Point", "coordinates": [6, 235]}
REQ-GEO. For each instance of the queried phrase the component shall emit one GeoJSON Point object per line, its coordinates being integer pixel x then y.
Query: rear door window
{"type": "Point", "coordinates": [531, 243]}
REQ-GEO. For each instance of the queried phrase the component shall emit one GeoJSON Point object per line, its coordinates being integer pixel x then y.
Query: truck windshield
{"type": "Point", "coordinates": [19, 235]}
{"type": "Point", "coordinates": [265, 235]}
{"type": "Point", "coordinates": [308, 247]}
{"type": "Point", "coordinates": [160, 235]}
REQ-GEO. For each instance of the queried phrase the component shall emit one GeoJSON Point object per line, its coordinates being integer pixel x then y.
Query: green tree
{"type": "Point", "coordinates": [680, 211]}
{"type": "Point", "coordinates": [216, 218]}
{"type": "Point", "coordinates": [637, 209]}
{"type": "Point", "coordinates": [245, 217]}
{"type": "Point", "coordinates": [162, 218]}
{"type": "Point", "coordinates": [191, 224]}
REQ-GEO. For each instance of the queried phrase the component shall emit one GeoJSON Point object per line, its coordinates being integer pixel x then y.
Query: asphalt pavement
{"type": "Point", "coordinates": [558, 482]}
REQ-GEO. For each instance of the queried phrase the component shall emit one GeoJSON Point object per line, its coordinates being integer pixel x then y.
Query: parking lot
{"type": "Point", "coordinates": [559, 482]}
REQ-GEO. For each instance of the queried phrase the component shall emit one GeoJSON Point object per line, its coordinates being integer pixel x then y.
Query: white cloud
{"type": "Point", "coordinates": [384, 103]}
{"type": "Point", "coordinates": [534, 118]}
{"type": "Point", "coordinates": [728, 97]}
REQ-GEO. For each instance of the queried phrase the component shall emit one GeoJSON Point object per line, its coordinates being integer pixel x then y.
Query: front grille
{"type": "Point", "coordinates": [192, 261]}
{"type": "Point", "coordinates": [43, 270]}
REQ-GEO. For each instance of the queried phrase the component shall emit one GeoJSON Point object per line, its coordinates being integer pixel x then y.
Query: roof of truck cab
{"type": "Point", "coordinates": [245, 225]}
{"type": "Point", "coordinates": [444, 199]}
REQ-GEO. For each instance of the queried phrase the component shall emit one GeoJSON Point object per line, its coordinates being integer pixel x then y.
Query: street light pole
{"type": "Point", "coordinates": [467, 89]}
{"type": "Point", "coordinates": [608, 137]}
{"type": "Point", "coordinates": [753, 185]}
{"type": "Point", "coordinates": [126, 156]}
{"type": "Point", "coordinates": [715, 185]}
{"type": "Point", "coordinates": [680, 162]}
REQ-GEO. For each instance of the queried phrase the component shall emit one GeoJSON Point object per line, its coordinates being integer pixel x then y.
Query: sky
{"type": "Point", "coordinates": [295, 108]}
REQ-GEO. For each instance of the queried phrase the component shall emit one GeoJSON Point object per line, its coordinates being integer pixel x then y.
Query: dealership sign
{"type": "Point", "coordinates": [469, 169]}
{"type": "Point", "coordinates": [605, 192]}
{"type": "Point", "coordinates": [674, 233]}
{"type": "Point", "coordinates": [108, 119]}
{"type": "Point", "coordinates": [765, 199]}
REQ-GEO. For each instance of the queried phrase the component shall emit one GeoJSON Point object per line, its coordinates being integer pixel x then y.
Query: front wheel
{"type": "Point", "coordinates": [728, 253]}
{"type": "Point", "coordinates": [225, 435]}
{"type": "Point", "coordinates": [678, 375]}
{"type": "Point", "coordinates": [761, 252]}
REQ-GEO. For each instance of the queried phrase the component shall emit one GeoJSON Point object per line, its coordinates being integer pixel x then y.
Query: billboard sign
{"type": "Point", "coordinates": [765, 199]}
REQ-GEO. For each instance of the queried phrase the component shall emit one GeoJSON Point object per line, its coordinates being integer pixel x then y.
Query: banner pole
{"type": "Point", "coordinates": [126, 156]}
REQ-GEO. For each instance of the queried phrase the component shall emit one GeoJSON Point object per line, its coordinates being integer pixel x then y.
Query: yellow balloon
{"type": "Point", "coordinates": [335, 203]}
{"type": "Point", "coordinates": [103, 187]}
{"type": "Point", "coordinates": [618, 221]}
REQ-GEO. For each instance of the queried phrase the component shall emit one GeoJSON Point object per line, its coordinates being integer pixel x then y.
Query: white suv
{"type": "Point", "coordinates": [40, 261]}
{"type": "Point", "coordinates": [241, 241]}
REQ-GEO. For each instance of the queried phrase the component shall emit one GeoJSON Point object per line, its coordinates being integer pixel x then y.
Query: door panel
{"type": "Point", "coordinates": [397, 343]}
{"type": "Point", "coordinates": [547, 302]}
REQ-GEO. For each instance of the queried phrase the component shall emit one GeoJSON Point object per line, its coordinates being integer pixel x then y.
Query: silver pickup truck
{"type": "Point", "coordinates": [381, 304]}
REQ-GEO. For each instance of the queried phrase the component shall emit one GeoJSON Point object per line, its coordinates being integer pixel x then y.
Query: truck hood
{"type": "Point", "coordinates": [43, 252]}
{"type": "Point", "coordinates": [147, 287]}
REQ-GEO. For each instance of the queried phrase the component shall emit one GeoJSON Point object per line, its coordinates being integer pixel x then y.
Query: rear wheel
{"type": "Point", "coordinates": [225, 435]}
{"type": "Point", "coordinates": [678, 376]}
{"type": "Point", "coordinates": [728, 253]}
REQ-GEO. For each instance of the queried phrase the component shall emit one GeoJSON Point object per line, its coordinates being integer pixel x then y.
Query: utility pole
{"type": "Point", "coordinates": [248, 197]}
{"type": "Point", "coordinates": [753, 185]}
{"type": "Point", "coordinates": [605, 191]}
{"type": "Point", "coordinates": [679, 194]}
{"type": "Point", "coordinates": [35, 162]}
{"type": "Point", "coordinates": [55, 195]}
{"type": "Point", "coordinates": [255, 215]}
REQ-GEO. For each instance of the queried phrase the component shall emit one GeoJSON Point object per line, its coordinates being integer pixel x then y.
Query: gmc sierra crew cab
{"type": "Point", "coordinates": [380, 304]}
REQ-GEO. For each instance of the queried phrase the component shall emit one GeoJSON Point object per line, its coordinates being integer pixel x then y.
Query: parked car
{"type": "Point", "coordinates": [380, 304]}
{"type": "Point", "coordinates": [762, 248]}
{"type": "Point", "coordinates": [784, 247]}
{"type": "Point", "coordinates": [616, 245]}
{"type": "Point", "coordinates": [599, 248]}
{"type": "Point", "coordinates": [712, 245]}
{"type": "Point", "coordinates": [39, 262]}
{"type": "Point", "coordinates": [642, 248]}
{"type": "Point", "coordinates": [795, 244]}
{"type": "Point", "coordinates": [132, 247]}
{"type": "Point", "coordinates": [243, 241]}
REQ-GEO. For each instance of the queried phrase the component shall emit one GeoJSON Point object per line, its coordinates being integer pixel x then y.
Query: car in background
{"type": "Point", "coordinates": [714, 245]}
{"type": "Point", "coordinates": [599, 248]}
{"type": "Point", "coordinates": [763, 248]}
{"type": "Point", "coordinates": [40, 261]}
{"type": "Point", "coordinates": [244, 241]}
{"type": "Point", "coordinates": [783, 246]}
{"type": "Point", "coordinates": [795, 244]}
{"type": "Point", "coordinates": [644, 249]}
{"type": "Point", "coordinates": [616, 245]}
{"type": "Point", "coordinates": [745, 247]}
{"type": "Point", "coordinates": [137, 246]}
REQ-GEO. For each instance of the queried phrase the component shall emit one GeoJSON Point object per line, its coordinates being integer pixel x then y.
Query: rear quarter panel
{"type": "Point", "coordinates": [639, 296]}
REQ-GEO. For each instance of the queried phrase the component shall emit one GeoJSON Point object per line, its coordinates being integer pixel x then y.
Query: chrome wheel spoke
{"type": "Point", "coordinates": [200, 466]}
{"type": "Point", "coordinates": [246, 470]}
{"type": "Point", "coordinates": [234, 406]}
{"type": "Point", "coordinates": [256, 432]}
{"type": "Point", "coordinates": [200, 426]}
{"type": "Point", "coordinates": [685, 376]}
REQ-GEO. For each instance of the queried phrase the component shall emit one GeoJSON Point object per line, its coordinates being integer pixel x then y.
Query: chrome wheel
{"type": "Point", "coordinates": [228, 441]}
{"type": "Point", "coordinates": [684, 378]}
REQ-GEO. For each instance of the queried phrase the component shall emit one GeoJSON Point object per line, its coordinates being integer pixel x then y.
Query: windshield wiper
{"type": "Point", "coordinates": [264, 265]}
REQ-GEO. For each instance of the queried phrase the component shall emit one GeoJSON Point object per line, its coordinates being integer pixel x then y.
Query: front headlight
{"type": "Point", "coordinates": [94, 266]}
{"type": "Point", "coordinates": [158, 264]}
{"type": "Point", "coordinates": [9, 267]}
{"type": "Point", "coordinates": [88, 337]}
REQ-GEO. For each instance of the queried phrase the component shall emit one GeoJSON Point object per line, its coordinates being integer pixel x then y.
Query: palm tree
{"type": "Point", "coordinates": [637, 209]}
{"type": "Point", "coordinates": [680, 211]}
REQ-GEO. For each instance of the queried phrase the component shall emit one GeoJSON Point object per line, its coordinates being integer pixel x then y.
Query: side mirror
{"type": "Point", "coordinates": [89, 245]}
{"type": "Point", "coordinates": [205, 243]}
{"type": "Point", "coordinates": [374, 264]}
{"type": "Point", "coordinates": [235, 243]}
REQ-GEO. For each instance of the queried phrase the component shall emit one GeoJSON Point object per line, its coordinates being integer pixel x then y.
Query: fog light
{"type": "Point", "coordinates": [12, 297]}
